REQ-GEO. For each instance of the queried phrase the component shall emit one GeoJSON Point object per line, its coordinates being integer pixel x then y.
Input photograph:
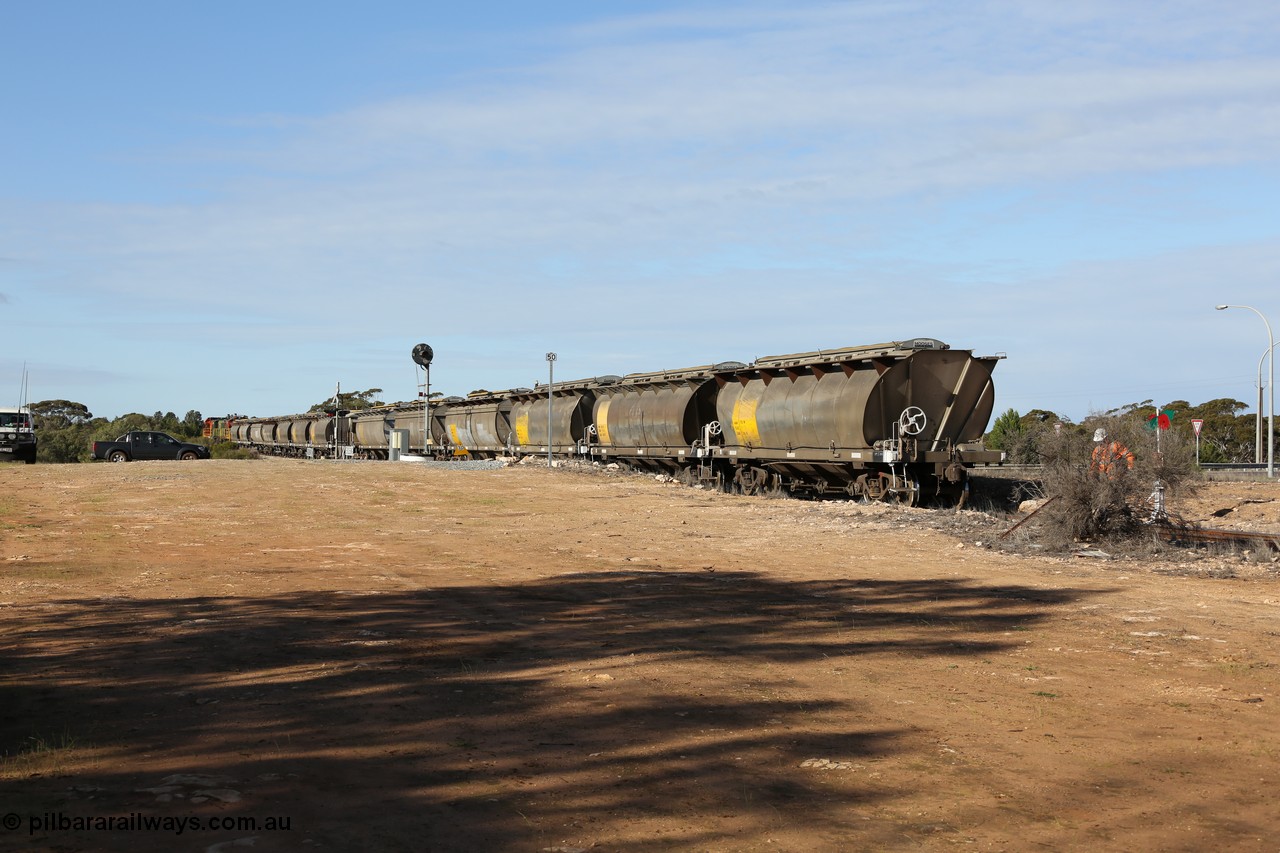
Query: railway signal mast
{"type": "Point", "coordinates": [422, 356]}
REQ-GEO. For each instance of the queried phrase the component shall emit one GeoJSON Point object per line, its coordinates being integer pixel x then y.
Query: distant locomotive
{"type": "Point", "coordinates": [898, 421]}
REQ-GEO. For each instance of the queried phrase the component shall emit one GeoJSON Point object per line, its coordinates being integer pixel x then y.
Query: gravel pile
{"type": "Point", "coordinates": [463, 464]}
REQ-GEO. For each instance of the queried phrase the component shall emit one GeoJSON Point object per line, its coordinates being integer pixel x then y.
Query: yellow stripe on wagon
{"type": "Point", "coordinates": [522, 428]}
{"type": "Point", "coordinates": [602, 422]}
{"type": "Point", "coordinates": [744, 420]}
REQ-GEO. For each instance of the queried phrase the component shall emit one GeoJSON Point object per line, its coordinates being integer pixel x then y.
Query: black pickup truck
{"type": "Point", "coordinates": [147, 445]}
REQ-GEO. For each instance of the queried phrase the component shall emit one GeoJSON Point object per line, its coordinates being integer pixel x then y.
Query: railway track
{"type": "Point", "coordinates": [1180, 533]}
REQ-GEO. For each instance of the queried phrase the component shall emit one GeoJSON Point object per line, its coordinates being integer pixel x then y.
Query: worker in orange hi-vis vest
{"type": "Point", "coordinates": [1109, 456]}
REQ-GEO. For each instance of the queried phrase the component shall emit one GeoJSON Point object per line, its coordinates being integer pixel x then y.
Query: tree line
{"type": "Point", "coordinates": [66, 430]}
{"type": "Point", "coordinates": [1226, 435]}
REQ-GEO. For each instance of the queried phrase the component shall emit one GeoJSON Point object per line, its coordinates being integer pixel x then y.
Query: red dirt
{"type": "Point", "coordinates": [395, 657]}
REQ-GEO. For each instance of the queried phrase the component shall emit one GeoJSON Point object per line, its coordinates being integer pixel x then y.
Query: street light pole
{"type": "Point", "coordinates": [1271, 410]}
{"type": "Point", "coordinates": [551, 387]}
{"type": "Point", "coordinates": [1257, 439]}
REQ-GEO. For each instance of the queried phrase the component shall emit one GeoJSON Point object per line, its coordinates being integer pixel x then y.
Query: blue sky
{"type": "Point", "coordinates": [232, 207]}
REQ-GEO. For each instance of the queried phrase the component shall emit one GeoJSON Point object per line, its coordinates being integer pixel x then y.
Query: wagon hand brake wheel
{"type": "Point", "coordinates": [912, 420]}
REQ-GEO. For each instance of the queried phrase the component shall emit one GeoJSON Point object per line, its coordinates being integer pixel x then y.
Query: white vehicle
{"type": "Point", "coordinates": [17, 435]}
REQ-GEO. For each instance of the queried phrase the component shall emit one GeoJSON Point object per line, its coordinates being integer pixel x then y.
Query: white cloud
{"type": "Point", "coordinates": [686, 182]}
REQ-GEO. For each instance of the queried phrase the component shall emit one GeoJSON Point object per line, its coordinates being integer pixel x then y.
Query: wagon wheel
{"type": "Point", "coordinates": [945, 495]}
{"type": "Point", "coordinates": [881, 490]}
{"type": "Point", "coordinates": [861, 487]}
{"type": "Point", "coordinates": [751, 481]}
{"type": "Point", "coordinates": [907, 493]}
{"type": "Point", "coordinates": [880, 487]}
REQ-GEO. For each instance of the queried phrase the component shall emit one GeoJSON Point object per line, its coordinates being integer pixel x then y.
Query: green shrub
{"type": "Point", "coordinates": [227, 450]}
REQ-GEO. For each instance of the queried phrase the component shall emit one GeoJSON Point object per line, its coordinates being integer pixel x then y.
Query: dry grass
{"type": "Point", "coordinates": [53, 754]}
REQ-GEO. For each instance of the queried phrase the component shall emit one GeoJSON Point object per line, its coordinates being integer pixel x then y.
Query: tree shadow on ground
{"type": "Point", "coordinates": [645, 708]}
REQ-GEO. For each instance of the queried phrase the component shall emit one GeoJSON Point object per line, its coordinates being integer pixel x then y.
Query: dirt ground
{"type": "Point", "coordinates": [382, 656]}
